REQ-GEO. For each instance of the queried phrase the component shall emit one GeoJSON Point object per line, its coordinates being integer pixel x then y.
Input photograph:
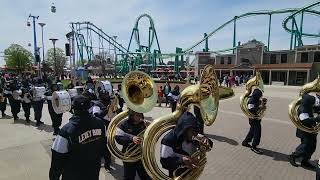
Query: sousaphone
{"type": "Point", "coordinates": [311, 87]}
{"type": "Point", "coordinates": [204, 95]}
{"type": "Point", "coordinates": [139, 92]}
{"type": "Point", "coordinates": [255, 82]}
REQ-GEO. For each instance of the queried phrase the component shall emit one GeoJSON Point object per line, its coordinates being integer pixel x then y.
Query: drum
{"type": "Point", "coordinates": [61, 101]}
{"type": "Point", "coordinates": [79, 89]}
{"type": "Point", "coordinates": [72, 92]}
{"type": "Point", "coordinates": [38, 93]}
{"type": "Point", "coordinates": [104, 85]}
{"type": "Point", "coordinates": [16, 94]}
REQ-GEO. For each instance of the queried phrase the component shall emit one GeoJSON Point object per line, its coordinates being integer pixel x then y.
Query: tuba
{"type": "Point", "coordinates": [255, 82]}
{"type": "Point", "coordinates": [313, 86]}
{"type": "Point", "coordinates": [113, 107]}
{"type": "Point", "coordinates": [139, 92]}
{"type": "Point", "coordinates": [204, 95]}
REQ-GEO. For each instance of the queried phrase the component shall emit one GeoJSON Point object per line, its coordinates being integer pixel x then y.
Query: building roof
{"type": "Point", "coordinates": [267, 66]}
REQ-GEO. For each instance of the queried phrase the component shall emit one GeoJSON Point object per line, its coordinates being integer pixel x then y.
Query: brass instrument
{"type": "Point", "coordinates": [313, 86]}
{"type": "Point", "coordinates": [113, 107]}
{"type": "Point", "coordinates": [199, 155]}
{"type": "Point", "coordinates": [204, 95]}
{"type": "Point", "coordinates": [2, 98]}
{"type": "Point", "coordinates": [139, 92]}
{"type": "Point", "coordinates": [255, 82]}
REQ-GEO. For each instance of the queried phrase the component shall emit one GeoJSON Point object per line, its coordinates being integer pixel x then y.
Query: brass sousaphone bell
{"type": "Point", "coordinates": [255, 82]}
{"type": "Point", "coordinates": [139, 92]}
{"type": "Point", "coordinates": [204, 95]}
{"type": "Point", "coordinates": [313, 86]}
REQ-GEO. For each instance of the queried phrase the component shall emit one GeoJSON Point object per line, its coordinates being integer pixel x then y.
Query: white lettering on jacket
{"type": "Point", "coordinates": [88, 134]}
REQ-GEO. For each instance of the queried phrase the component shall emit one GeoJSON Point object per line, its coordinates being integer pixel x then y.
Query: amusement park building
{"type": "Point", "coordinates": [284, 67]}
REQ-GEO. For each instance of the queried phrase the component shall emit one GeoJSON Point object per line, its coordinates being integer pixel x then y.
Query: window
{"type": "Point", "coordinates": [229, 60]}
{"type": "Point", "coordinates": [222, 60]}
{"type": "Point", "coordinates": [304, 57]}
{"type": "Point", "coordinates": [273, 59]}
{"type": "Point", "coordinates": [284, 58]}
{"type": "Point", "coordinates": [316, 56]}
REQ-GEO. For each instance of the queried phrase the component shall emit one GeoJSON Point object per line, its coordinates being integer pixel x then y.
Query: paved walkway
{"type": "Point", "coordinates": [25, 149]}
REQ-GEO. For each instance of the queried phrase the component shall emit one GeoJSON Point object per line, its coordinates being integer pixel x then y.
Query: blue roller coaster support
{"type": "Point", "coordinates": [269, 32]}
{"type": "Point", "coordinates": [234, 31]}
{"type": "Point", "coordinates": [177, 60]}
{"type": "Point", "coordinates": [206, 47]}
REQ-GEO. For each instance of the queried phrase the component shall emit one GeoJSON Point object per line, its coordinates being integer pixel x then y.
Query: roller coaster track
{"type": "Point", "coordinates": [294, 11]}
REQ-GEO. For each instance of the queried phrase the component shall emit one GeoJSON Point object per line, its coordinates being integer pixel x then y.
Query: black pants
{"type": "Point", "coordinates": [167, 100]}
{"type": "Point", "coordinates": [107, 155]}
{"type": "Point", "coordinates": [307, 147]}
{"type": "Point", "coordinates": [37, 107]}
{"type": "Point", "coordinates": [3, 106]}
{"type": "Point", "coordinates": [318, 174]}
{"type": "Point", "coordinates": [173, 106]}
{"type": "Point", "coordinates": [26, 108]}
{"type": "Point", "coordinates": [15, 107]}
{"type": "Point", "coordinates": [56, 120]}
{"type": "Point", "coordinates": [130, 170]}
{"type": "Point", "coordinates": [254, 133]}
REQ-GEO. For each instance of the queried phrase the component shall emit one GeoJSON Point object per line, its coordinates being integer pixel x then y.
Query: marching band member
{"type": "Point", "coordinates": [173, 97]}
{"type": "Point", "coordinates": [254, 134]}
{"type": "Point", "coordinates": [99, 109]}
{"type": "Point", "coordinates": [317, 103]}
{"type": "Point", "coordinates": [3, 100]}
{"type": "Point", "coordinates": [14, 100]}
{"type": "Point", "coordinates": [121, 101]}
{"type": "Point", "coordinates": [26, 99]}
{"type": "Point", "coordinates": [178, 145]}
{"type": "Point", "coordinates": [126, 134]}
{"type": "Point", "coordinates": [308, 140]}
{"type": "Point", "coordinates": [55, 118]}
{"type": "Point", "coordinates": [80, 145]}
{"type": "Point", "coordinates": [38, 104]}
{"type": "Point", "coordinates": [89, 92]}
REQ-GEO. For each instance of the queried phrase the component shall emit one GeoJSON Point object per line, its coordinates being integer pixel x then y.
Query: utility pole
{"type": "Point", "coordinates": [41, 24]}
{"type": "Point", "coordinates": [54, 53]}
{"type": "Point", "coordinates": [36, 54]}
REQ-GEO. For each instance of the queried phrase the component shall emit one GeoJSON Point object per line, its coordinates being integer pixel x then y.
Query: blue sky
{"type": "Point", "coordinates": [179, 23]}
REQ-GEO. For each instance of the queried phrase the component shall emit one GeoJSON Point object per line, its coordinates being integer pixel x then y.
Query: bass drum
{"type": "Point", "coordinates": [72, 92]}
{"type": "Point", "coordinates": [16, 94]}
{"type": "Point", "coordinates": [61, 102]}
{"type": "Point", "coordinates": [38, 93]}
{"type": "Point", "coordinates": [104, 85]}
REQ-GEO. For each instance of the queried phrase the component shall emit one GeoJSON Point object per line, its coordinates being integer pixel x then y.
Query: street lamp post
{"type": "Point", "coordinates": [34, 18]}
{"type": "Point", "coordinates": [41, 24]}
{"type": "Point", "coordinates": [54, 53]}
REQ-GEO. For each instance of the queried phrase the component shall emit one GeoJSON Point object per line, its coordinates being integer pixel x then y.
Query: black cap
{"type": "Point", "coordinates": [81, 102]}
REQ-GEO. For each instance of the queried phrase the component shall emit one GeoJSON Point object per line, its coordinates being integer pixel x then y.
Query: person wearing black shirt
{"type": "Point", "coordinates": [80, 145]}
{"type": "Point", "coordinates": [254, 105]}
{"type": "Point", "coordinates": [127, 134]}
{"type": "Point", "coordinates": [308, 140]}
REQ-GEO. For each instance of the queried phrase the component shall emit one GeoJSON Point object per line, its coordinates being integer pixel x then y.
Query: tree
{"type": "Point", "coordinates": [56, 63]}
{"type": "Point", "coordinates": [18, 57]}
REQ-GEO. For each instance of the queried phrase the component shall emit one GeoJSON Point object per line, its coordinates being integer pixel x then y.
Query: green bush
{"type": "Point", "coordinates": [225, 92]}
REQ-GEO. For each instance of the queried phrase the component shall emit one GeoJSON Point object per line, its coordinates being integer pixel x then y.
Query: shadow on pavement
{"type": "Point", "coordinates": [223, 139]}
{"type": "Point", "coordinates": [117, 173]}
{"type": "Point", "coordinates": [42, 127]}
{"type": "Point", "coordinates": [277, 156]}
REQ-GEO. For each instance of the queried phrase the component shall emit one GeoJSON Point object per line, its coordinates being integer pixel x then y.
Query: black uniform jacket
{"type": "Point", "coordinates": [77, 150]}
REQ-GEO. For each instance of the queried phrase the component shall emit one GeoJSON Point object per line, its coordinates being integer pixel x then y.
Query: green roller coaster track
{"type": "Point", "coordinates": [156, 57]}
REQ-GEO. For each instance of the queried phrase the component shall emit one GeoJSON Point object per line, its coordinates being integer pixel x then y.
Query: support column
{"type": "Point", "coordinates": [220, 73]}
{"type": "Point", "coordinates": [234, 32]}
{"type": "Point", "coordinates": [269, 32]}
{"type": "Point", "coordinates": [308, 76]}
{"type": "Point", "coordinates": [269, 77]}
{"type": "Point", "coordinates": [288, 73]}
